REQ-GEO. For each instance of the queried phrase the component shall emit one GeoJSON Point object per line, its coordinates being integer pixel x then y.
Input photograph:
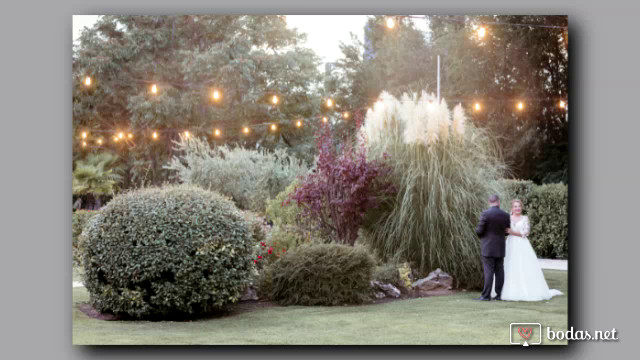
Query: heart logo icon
{"type": "Point", "coordinates": [525, 332]}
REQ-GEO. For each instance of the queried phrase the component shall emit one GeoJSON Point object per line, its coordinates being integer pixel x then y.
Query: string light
{"type": "Point", "coordinates": [115, 139]}
{"type": "Point", "coordinates": [216, 95]}
{"type": "Point", "coordinates": [84, 134]}
{"type": "Point", "coordinates": [187, 134]}
{"type": "Point", "coordinates": [274, 127]}
{"type": "Point", "coordinates": [121, 135]}
{"type": "Point", "coordinates": [477, 106]}
{"type": "Point", "coordinates": [562, 104]}
{"type": "Point", "coordinates": [482, 32]}
{"type": "Point", "coordinates": [245, 130]}
{"type": "Point", "coordinates": [391, 23]}
{"type": "Point", "coordinates": [520, 105]}
{"type": "Point", "coordinates": [216, 132]}
{"type": "Point", "coordinates": [275, 100]}
{"type": "Point", "coordinates": [345, 115]}
{"type": "Point", "coordinates": [298, 123]}
{"type": "Point", "coordinates": [99, 141]}
{"type": "Point", "coordinates": [154, 135]}
{"type": "Point", "coordinates": [84, 144]}
{"type": "Point", "coordinates": [324, 119]}
{"type": "Point", "coordinates": [130, 136]}
{"type": "Point", "coordinates": [154, 89]}
{"type": "Point", "coordinates": [329, 103]}
{"type": "Point", "coordinates": [87, 81]}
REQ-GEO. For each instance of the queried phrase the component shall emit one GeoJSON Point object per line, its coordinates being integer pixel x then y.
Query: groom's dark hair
{"type": "Point", "coordinates": [494, 198]}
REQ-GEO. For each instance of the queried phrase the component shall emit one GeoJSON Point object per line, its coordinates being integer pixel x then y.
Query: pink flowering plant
{"type": "Point", "coordinates": [342, 188]}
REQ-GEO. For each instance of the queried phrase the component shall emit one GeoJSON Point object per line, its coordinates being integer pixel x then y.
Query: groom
{"type": "Point", "coordinates": [491, 229]}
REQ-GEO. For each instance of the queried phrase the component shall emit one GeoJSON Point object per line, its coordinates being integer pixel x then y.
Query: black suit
{"type": "Point", "coordinates": [491, 230]}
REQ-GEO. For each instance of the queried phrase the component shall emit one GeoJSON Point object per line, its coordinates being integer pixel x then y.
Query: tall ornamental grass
{"type": "Point", "coordinates": [443, 169]}
{"type": "Point", "coordinates": [249, 177]}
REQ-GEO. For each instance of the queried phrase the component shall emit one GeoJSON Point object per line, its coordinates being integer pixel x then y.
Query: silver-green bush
{"type": "Point", "coordinates": [249, 177]}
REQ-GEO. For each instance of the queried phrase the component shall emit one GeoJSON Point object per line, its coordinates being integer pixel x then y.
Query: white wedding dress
{"type": "Point", "coordinates": [523, 277]}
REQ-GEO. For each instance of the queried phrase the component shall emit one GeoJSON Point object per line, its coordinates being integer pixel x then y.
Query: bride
{"type": "Point", "coordinates": [523, 277]}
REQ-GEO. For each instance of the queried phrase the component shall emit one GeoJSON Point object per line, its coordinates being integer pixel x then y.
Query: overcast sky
{"type": "Point", "coordinates": [324, 32]}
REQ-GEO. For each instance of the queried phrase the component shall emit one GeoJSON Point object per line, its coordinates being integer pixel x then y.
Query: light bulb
{"type": "Point", "coordinates": [329, 103]}
{"type": "Point", "coordinates": [345, 115]}
{"type": "Point", "coordinates": [324, 119]}
{"type": "Point", "coordinates": [391, 23]}
{"type": "Point", "coordinates": [84, 134]}
{"type": "Point", "coordinates": [216, 132]}
{"type": "Point", "coordinates": [520, 105]}
{"type": "Point", "coordinates": [482, 32]}
{"type": "Point", "coordinates": [298, 123]}
{"type": "Point", "coordinates": [87, 81]}
{"type": "Point", "coordinates": [216, 95]}
{"type": "Point", "coordinates": [154, 135]}
{"type": "Point", "coordinates": [477, 106]}
{"type": "Point", "coordinates": [274, 127]}
{"type": "Point", "coordinates": [562, 104]}
{"type": "Point", "coordinates": [154, 89]}
{"type": "Point", "coordinates": [245, 130]}
{"type": "Point", "coordinates": [274, 99]}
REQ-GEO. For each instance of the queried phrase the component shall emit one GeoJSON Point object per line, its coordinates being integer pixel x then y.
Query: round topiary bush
{"type": "Point", "coordinates": [166, 251]}
{"type": "Point", "coordinates": [321, 274]}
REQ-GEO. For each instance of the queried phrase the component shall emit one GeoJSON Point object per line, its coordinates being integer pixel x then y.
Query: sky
{"type": "Point", "coordinates": [324, 32]}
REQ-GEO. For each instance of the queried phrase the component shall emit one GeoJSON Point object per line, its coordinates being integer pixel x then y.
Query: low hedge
{"type": "Point", "coordinates": [548, 209]}
{"type": "Point", "coordinates": [160, 252]}
{"type": "Point", "coordinates": [78, 221]}
{"type": "Point", "coordinates": [321, 274]}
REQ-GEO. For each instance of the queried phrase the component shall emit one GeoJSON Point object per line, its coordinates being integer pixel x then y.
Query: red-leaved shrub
{"type": "Point", "coordinates": [344, 185]}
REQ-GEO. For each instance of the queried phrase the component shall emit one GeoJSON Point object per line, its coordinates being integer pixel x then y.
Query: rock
{"type": "Point", "coordinates": [250, 293]}
{"type": "Point", "coordinates": [387, 289]}
{"type": "Point", "coordinates": [379, 295]}
{"type": "Point", "coordinates": [436, 280]}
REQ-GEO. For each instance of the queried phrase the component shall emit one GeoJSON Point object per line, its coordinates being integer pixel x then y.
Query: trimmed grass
{"type": "Point", "coordinates": [455, 319]}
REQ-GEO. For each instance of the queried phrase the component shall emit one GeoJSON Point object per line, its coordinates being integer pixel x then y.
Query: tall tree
{"type": "Point", "coordinates": [510, 63]}
{"type": "Point", "coordinates": [247, 59]}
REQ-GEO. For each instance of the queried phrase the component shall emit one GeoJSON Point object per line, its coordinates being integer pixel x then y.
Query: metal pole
{"type": "Point", "coordinates": [438, 79]}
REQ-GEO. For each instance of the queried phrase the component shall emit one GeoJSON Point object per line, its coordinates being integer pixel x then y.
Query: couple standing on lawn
{"type": "Point", "coordinates": [513, 263]}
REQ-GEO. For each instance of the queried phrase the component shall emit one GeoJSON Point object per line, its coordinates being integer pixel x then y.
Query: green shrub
{"type": "Point", "coordinates": [549, 217]}
{"type": "Point", "coordinates": [249, 177]}
{"type": "Point", "coordinates": [281, 213]}
{"type": "Point", "coordinates": [444, 172]}
{"type": "Point", "coordinates": [516, 189]}
{"type": "Point", "coordinates": [256, 225]}
{"type": "Point", "coordinates": [387, 273]}
{"type": "Point", "coordinates": [166, 251]}
{"type": "Point", "coordinates": [78, 221]}
{"type": "Point", "coordinates": [321, 274]}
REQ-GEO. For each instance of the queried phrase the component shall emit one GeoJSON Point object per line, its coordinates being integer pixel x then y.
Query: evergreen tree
{"type": "Point", "coordinates": [247, 59]}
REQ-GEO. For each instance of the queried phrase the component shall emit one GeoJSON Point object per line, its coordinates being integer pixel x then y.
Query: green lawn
{"type": "Point", "coordinates": [455, 319]}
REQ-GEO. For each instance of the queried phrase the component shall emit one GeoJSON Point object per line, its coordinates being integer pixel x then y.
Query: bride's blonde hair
{"type": "Point", "coordinates": [516, 201]}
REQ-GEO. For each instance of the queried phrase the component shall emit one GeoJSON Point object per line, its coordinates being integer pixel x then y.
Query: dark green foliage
{"type": "Point", "coordinates": [323, 274]}
{"type": "Point", "coordinates": [387, 273]}
{"type": "Point", "coordinates": [158, 252]}
{"type": "Point", "coordinates": [548, 210]}
{"type": "Point", "coordinates": [549, 216]}
{"type": "Point", "coordinates": [516, 189]}
{"type": "Point", "coordinates": [78, 221]}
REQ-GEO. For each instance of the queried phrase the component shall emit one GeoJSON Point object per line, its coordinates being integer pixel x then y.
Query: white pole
{"type": "Point", "coordinates": [438, 79]}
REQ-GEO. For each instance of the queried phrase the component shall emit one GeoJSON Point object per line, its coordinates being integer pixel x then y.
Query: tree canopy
{"type": "Point", "coordinates": [247, 59]}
